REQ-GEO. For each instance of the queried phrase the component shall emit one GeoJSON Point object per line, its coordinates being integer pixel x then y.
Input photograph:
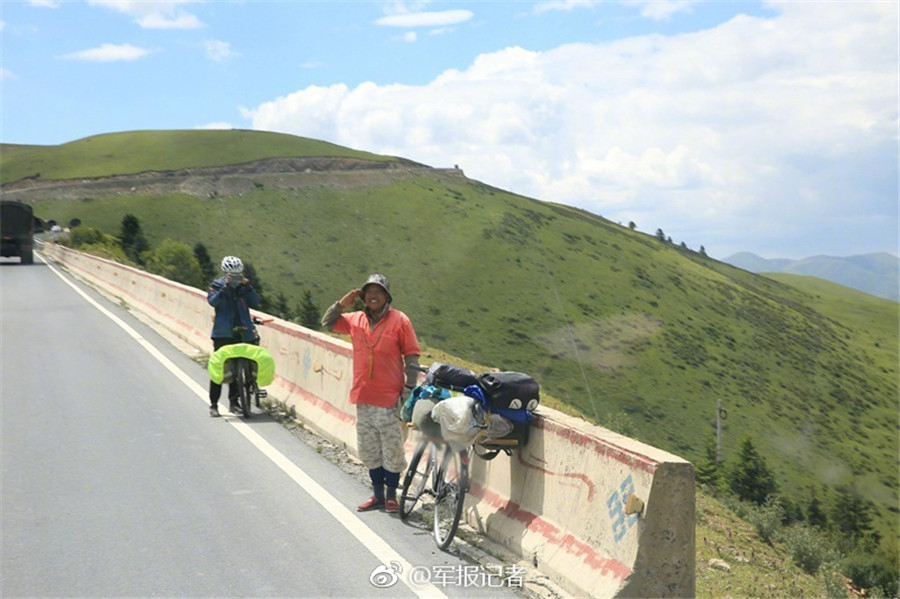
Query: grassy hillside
{"type": "Point", "coordinates": [611, 321]}
{"type": "Point", "coordinates": [139, 151]}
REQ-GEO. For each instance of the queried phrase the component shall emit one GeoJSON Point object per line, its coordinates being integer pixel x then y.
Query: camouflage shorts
{"type": "Point", "coordinates": [379, 437]}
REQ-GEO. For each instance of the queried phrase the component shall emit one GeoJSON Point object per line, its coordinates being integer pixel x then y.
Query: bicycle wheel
{"type": "Point", "coordinates": [244, 387]}
{"type": "Point", "coordinates": [416, 478]}
{"type": "Point", "coordinates": [452, 482]}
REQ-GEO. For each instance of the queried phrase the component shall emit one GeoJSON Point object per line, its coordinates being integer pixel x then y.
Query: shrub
{"type": "Point", "coordinates": [86, 236]}
{"type": "Point", "coordinates": [808, 547]}
{"type": "Point", "coordinates": [876, 573]}
{"type": "Point", "coordinates": [766, 518]}
{"type": "Point", "coordinates": [176, 262]}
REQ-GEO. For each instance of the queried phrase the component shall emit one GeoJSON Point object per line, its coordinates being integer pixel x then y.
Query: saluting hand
{"type": "Point", "coordinates": [350, 297]}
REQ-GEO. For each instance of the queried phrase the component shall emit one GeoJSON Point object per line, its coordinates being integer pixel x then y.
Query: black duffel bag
{"type": "Point", "coordinates": [449, 376]}
{"type": "Point", "coordinates": [510, 390]}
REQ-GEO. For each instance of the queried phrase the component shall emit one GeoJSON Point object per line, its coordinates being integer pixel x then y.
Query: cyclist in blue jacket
{"type": "Point", "coordinates": [232, 296]}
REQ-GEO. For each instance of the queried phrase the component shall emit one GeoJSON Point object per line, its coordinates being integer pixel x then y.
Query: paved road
{"type": "Point", "coordinates": [116, 482]}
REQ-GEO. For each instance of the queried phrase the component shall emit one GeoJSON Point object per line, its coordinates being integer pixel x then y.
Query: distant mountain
{"type": "Point", "coordinates": [876, 274]}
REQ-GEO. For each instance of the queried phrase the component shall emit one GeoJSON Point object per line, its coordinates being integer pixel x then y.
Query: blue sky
{"type": "Point", "coordinates": [739, 126]}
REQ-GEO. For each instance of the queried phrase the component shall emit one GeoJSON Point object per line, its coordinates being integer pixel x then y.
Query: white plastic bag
{"type": "Point", "coordinates": [458, 426]}
{"type": "Point", "coordinates": [454, 414]}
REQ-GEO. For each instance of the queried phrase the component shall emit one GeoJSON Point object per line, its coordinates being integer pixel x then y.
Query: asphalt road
{"type": "Point", "coordinates": [116, 482]}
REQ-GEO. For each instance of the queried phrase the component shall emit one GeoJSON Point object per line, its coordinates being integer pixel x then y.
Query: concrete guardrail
{"type": "Point", "coordinates": [600, 514]}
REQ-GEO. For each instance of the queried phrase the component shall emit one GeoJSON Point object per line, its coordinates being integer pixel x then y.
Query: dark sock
{"type": "Point", "coordinates": [377, 477]}
{"type": "Point", "coordinates": [391, 481]}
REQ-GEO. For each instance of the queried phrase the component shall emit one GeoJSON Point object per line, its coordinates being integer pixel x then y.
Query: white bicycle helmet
{"type": "Point", "coordinates": [232, 264]}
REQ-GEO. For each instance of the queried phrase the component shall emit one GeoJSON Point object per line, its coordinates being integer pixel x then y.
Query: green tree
{"type": "Point", "coordinates": [308, 312]}
{"type": "Point", "coordinates": [96, 242]}
{"type": "Point", "coordinates": [852, 516]}
{"type": "Point", "coordinates": [750, 477]}
{"type": "Point", "coordinates": [708, 467]}
{"type": "Point", "coordinates": [280, 307]}
{"type": "Point", "coordinates": [207, 268]}
{"type": "Point", "coordinates": [83, 236]}
{"type": "Point", "coordinates": [175, 261]}
{"type": "Point", "coordinates": [265, 304]}
{"type": "Point", "coordinates": [132, 239]}
{"type": "Point", "coordinates": [815, 515]}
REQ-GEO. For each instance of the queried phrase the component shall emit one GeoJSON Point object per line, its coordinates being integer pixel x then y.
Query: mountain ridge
{"type": "Point", "coordinates": [876, 273]}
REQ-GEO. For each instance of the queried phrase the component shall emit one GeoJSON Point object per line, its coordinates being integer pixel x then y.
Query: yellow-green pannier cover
{"type": "Point", "coordinates": [264, 361]}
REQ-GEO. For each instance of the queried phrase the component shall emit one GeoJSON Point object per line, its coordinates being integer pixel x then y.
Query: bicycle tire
{"type": "Point", "coordinates": [244, 386]}
{"type": "Point", "coordinates": [415, 479]}
{"type": "Point", "coordinates": [450, 495]}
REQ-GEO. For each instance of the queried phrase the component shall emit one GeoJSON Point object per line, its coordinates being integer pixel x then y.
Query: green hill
{"type": "Point", "coordinates": [140, 151]}
{"type": "Point", "coordinates": [611, 321]}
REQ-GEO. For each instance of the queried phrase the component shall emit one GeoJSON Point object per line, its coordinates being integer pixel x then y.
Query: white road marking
{"type": "Point", "coordinates": [365, 535]}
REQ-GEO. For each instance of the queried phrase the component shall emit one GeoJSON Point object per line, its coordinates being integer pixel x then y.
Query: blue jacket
{"type": "Point", "coordinates": [233, 310]}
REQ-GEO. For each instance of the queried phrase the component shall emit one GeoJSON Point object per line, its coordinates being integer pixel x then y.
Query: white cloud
{"type": "Point", "coordinates": [216, 125]}
{"type": "Point", "coordinates": [651, 9]}
{"type": "Point", "coordinates": [155, 14]}
{"type": "Point", "coordinates": [661, 9]}
{"type": "Point", "coordinates": [45, 3]}
{"type": "Point", "coordinates": [218, 50]}
{"type": "Point", "coordinates": [108, 53]}
{"type": "Point", "coordinates": [178, 21]}
{"type": "Point", "coordinates": [425, 19]}
{"type": "Point", "coordinates": [749, 133]}
{"type": "Point", "coordinates": [563, 5]}
{"type": "Point", "coordinates": [6, 74]}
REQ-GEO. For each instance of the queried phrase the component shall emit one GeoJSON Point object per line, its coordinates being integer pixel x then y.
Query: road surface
{"type": "Point", "coordinates": [116, 482]}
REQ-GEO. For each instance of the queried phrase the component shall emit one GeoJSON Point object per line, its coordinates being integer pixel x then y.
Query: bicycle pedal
{"type": "Point", "coordinates": [262, 394]}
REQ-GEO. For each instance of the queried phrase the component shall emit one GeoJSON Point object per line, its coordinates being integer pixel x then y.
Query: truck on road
{"type": "Point", "coordinates": [16, 230]}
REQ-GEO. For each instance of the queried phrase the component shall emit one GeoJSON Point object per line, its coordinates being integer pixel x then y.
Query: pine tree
{"type": "Point", "coordinates": [206, 265]}
{"type": "Point", "coordinates": [708, 467]}
{"type": "Point", "coordinates": [281, 309]}
{"type": "Point", "coordinates": [132, 239]}
{"type": "Point", "coordinates": [250, 272]}
{"type": "Point", "coordinates": [750, 477]}
{"type": "Point", "coordinates": [815, 516]}
{"type": "Point", "coordinates": [308, 312]}
{"type": "Point", "coordinates": [852, 515]}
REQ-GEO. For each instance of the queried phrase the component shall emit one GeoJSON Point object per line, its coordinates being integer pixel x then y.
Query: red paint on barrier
{"type": "Point", "coordinates": [577, 475]}
{"type": "Point", "coordinates": [318, 402]}
{"type": "Point", "coordinates": [607, 566]}
{"type": "Point", "coordinates": [603, 448]}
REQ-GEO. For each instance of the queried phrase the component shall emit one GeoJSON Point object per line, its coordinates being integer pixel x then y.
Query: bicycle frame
{"type": "Point", "coordinates": [248, 390]}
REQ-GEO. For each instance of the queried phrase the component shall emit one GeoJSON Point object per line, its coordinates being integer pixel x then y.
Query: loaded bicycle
{"type": "Point", "coordinates": [248, 366]}
{"type": "Point", "coordinates": [438, 470]}
{"type": "Point", "coordinates": [443, 476]}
